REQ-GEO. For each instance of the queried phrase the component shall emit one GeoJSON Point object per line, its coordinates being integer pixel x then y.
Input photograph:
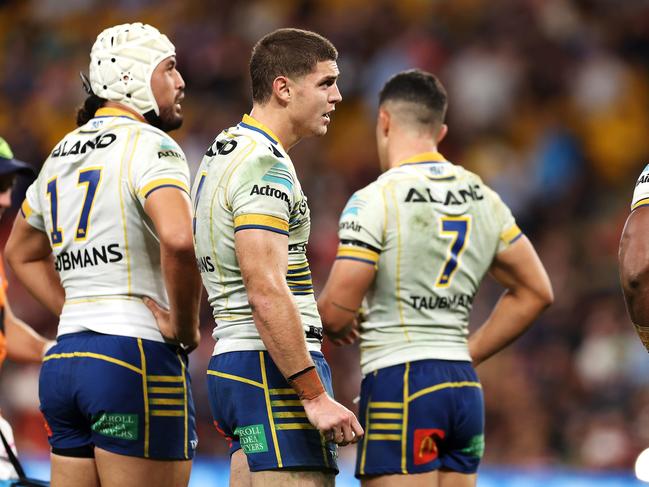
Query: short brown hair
{"type": "Point", "coordinates": [286, 52]}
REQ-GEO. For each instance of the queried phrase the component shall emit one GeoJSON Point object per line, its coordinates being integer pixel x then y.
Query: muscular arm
{"type": "Point", "coordinates": [170, 211]}
{"type": "Point", "coordinates": [341, 298]}
{"type": "Point", "coordinates": [23, 343]}
{"type": "Point", "coordinates": [634, 270]}
{"type": "Point", "coordinates": [528, 293]}
{"type": "Point", "coordinates": [263, 259]}
{"type": "Point", "coordinates": [29, 254]}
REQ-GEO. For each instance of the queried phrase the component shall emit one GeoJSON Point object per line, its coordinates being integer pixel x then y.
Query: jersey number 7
{"type": "Point", "coordinates": [456, 228]}
{"type": "Point", "coordinates": [90, 177]}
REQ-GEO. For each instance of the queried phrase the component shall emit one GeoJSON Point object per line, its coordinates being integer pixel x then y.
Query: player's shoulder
{"type": "Point", "coordinates": [156, 139]}
{"type": "Point", "coordinates": [364, 197]}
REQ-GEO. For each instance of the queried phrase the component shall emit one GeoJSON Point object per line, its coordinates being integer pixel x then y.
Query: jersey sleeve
{"type": "Point", "coordinates": [261, 195]}
{"type": "Point", "coordinates": [509, 231]}
{"type": "Point", "coordinates": [361, 226]}
{"type": "Point", "coordinates": [641, 192]}
{"type": "Point", "coordinates": [31, 208]}
{"type": "Point", "coordinates": [158, 162]}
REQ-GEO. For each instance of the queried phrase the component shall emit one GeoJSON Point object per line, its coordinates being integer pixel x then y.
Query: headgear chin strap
{"type": "Point", "coordinates": [122, 61]}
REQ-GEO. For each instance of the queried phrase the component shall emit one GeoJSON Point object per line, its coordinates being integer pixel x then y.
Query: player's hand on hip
{"type": "Point", "coordinates": [169, 330]}
{"type": "Point", "coordinates": [333, 420]}
{"type": "Point", "coordinates": [346, 336]}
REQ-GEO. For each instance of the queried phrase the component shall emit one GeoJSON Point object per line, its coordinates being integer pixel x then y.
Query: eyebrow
{"type": "Point", "coordinates": [327, 78]}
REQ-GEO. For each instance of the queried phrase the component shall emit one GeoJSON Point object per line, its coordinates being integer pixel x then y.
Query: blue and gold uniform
{"type": "Point", "coordinates": [111, 380]}
{"type": "Point", "coordinates": [431, 229]}
{"type": "Point", "coordinates": [247, 181]}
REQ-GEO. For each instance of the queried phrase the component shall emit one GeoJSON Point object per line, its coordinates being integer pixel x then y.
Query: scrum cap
{"type": "Point", "coordinates": [122, 61]}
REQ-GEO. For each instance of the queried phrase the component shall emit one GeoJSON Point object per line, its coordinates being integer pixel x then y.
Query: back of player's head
{"type": "Point", "coordinates": [286, 52]}
{"type": "Point", "coordinates": [122, 61]}
{"type": "Point", "coordinates": [422, 94]}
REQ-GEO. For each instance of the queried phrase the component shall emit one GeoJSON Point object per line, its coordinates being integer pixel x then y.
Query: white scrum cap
{"type": "Point", "coordinates": [122, 61]}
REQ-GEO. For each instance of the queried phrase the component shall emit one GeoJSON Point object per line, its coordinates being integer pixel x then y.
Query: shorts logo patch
{"type": "Point", "coordinates": [117, 425]}
{"type": "Point", "coordinates": [252, 438]}
{"type": "Point", "coordinates": [425, 445]}
{"type": "Point", "coordinates": [476, 447]}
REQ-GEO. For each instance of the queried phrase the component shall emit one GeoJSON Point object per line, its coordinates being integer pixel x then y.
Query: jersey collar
{"type": "Point", "coordinates": [114, 112]}
{"type": "Point", "coordinates": [250, 123]}
{"type": "Point", "coordinates": [424, 158]}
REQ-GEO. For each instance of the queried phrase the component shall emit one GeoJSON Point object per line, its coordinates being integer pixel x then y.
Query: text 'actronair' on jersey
{"type": "Point", "coordinates": [432, 229]}
{"type": "Point", "coordinates": [247, 181]}
{"type": "Point", "coordinates": [89, 199]}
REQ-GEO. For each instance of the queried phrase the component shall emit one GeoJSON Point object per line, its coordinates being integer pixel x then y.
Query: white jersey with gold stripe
{"type": "Point", "coordinates": [247, 181]}
{"type": "Point", "coordinates": [641, 192]}
{"type": "Point", "coordinates": [432, 229]}
{"type": "Point", "coordinates": [89, 199]}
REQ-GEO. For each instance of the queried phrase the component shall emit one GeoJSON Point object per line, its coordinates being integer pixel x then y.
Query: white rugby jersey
{"type": "Point", "coordinates": [432, 229]}
{"type": "Point", "coordinates": [89, 199]}
{"type": "Point", "coordinates": [641, 192]}
{"type": "Point", "coordinates": [247, 180]}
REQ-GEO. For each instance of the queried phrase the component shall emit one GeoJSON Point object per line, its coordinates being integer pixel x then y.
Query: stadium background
{"type": "Point", "coordinates": [549, 103]}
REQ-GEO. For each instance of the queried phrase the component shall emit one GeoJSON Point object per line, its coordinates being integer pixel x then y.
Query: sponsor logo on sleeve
{"type": "Point", "coordinates": [169, 149]}
{"type": "Point", "coordinates": [354, 204]}
{"type": "Point", "coordinates": [350, 225]}
{"type": "Point", "coordinates": [269, 191]}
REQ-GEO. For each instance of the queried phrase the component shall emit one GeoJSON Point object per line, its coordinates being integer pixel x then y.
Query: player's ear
{"type": "Point", "coordinates": [282, 89]}
{"type": "Point", "coordinates": [383, 122]}
{"type": "Point", "coordinates": [443, 130]}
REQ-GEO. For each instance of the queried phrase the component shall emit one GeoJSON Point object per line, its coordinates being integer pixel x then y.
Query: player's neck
{"type": "Point", "coordinates": [114, 104]}
{"type": "Point", "coordinates": [397, 153]}
{"type": "Point", "coordinates": [277, 122]}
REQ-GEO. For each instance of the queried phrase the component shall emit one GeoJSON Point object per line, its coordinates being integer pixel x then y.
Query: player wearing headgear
{"type": "Point", "coordinates": [417, 242]}
{"type": "Point", "coordinates": [105, 241]}
{"type": "Point", "coordinates": [269, 384]}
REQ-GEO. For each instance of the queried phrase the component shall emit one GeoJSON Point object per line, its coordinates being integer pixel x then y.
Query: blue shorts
{"type": "Point", "coordinates": [421, 416]}
{"type": "Point", "coordinates": [128, 396]}
{"type": "Point", "coordinates": [257, 411]}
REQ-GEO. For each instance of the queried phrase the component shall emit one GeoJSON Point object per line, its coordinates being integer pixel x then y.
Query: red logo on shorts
{"type": "Point", "coordinates": [48, 430]}
{"type": "Point", "coordinates": [227, 438]}
{"type": "Point", "coordinates": [425, 445]}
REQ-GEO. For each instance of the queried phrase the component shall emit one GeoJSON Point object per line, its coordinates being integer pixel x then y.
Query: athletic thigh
{"type": "Point", "coordinates": [125, 471]}
{"type": "Point", "coordinates": [256, 410]}
{"type": "Point", "coordinates": [125, 395]}
{"type": "Point", "coordinates": [67, 471]}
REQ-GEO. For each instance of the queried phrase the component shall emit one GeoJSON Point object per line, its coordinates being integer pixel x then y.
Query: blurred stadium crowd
{"type": "Point", "coordinates": [549, 103]}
